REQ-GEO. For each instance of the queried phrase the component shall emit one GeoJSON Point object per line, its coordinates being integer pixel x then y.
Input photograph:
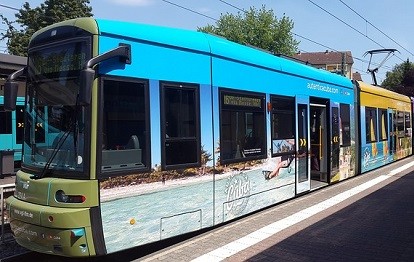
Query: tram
{"type": "Point", "coordinates": [11, 123]}
{"type": "Point", "coordinates": [385, 126]}
{"type": "Point", "coordinates": [155, 132]}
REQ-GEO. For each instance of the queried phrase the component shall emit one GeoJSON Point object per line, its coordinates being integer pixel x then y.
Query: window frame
{"type": "Point", "coordinates": [262, 97]}
{"type": "Point", "coordinates": [274, 111]}
{"type": "Point", "coordinates": [99, 145]}
{"type": "Point", "coordinates": [382, 112]}
{"type": "Point", "coordinates": [197, 138]}
{"type": "Point", "coordinates": [368, 127]}
{"type": "Point", "coordinates": [407, 124]}
{"type": "Point", "coordinates": [20, 113]}
{"type": "Point", "coordinates": [7, 126]}
{"type": "Point", "coordinates": [400, 123]}
{"type": "Point", "coordinates": [345, 109]}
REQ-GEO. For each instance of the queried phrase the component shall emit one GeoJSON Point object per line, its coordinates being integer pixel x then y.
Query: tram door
{"type": "Point", "coordinates": [302, 156]}
{"type": "Point", "coordinates": [319, 142]}
{"type": "Point", "coordinates": [393, 130]}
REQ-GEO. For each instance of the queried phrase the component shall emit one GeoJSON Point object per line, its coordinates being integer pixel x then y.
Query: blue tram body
{"type": "Point", "coordinates": [222, 69]}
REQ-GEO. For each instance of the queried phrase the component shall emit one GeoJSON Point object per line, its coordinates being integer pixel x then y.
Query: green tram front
{"type": "Point", "coordinates": [56, 204]}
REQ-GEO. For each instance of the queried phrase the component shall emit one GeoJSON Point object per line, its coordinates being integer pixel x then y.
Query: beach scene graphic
{"type": "Point", "coordinates": [137, 214]}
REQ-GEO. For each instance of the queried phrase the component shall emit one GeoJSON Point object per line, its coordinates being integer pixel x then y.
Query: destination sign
{"type": "Point", "coordinates": [53, 63]}
{"type": "Point", "coordinates": [54, 60]}
{"type": "Point", "coordinates": [242, 101]}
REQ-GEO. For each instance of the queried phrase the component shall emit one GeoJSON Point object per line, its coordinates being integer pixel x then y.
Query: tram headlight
{"type": "Point", "coordinates": [62, 197]}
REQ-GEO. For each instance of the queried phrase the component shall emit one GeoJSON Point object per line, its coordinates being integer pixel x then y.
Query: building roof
{"type": "Point", "coordinates": [356, 76]}
{"type": "Point", "coordinates": [11, 63]}
{"type": "Point", "coordinates": [325, 58]}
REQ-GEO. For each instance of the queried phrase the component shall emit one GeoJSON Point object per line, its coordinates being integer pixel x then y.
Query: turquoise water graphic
{"type": "Point", "coordinates": [149, 217]}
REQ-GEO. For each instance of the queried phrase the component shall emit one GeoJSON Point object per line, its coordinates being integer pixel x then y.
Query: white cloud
{"type": "Point", "coordinates": [133, 2]}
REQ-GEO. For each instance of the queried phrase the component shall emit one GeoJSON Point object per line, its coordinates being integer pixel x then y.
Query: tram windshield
{"type": "Point", "coordinates": [54, 120]}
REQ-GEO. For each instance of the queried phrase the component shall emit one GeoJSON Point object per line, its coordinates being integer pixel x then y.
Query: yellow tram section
{"type": "Point", "coordinates": [39, 221]}
{"type": "Point", "coordinates": [375, 96]}
{"type": "Point", "coordinates": [378, 97]}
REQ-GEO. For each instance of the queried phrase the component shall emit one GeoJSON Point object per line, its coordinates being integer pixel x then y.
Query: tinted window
{"type": "Point", "coordinates": [345, 125]}
{"type": "Point", "coordinates": [407, 124]}
{"type": "Point", "coordinates": [19, 124]}
{"type": "Point", "coordinates": [125, 125]}
{"type": "Point", "coordinates": [6, 121]}
{"type": "Point", "coordinates": [383, 124]}
{"type": "Point", "coordinates": [242, 126]}
{"type": "Point", "coordinates": [180, 126]}
{"type": "Point", "coordinates": [371, 124]}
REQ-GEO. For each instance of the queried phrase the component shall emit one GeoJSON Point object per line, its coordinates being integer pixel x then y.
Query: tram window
{"type": "Point", "coordinates": [180, 128]}
{"type": "Point", "coordinates": [345, 124]}
{"type": "Point", "coordinates": [383, 124]}
{"type": "Point", "coordinates": [400, 123]}
{"type": "Point", "coordinates": [371, 124]}
{"type": "Point", "coordinates": [283, 124]}
{"type": "Point", "coordinates": [125, 125]}
{"type": "Point", "coordinates": [39, 125]}
{"type": "Point", "coordinates": [6, 121]}
{"type": "Point", "coordinates": [19, 124]}
{"type": "Point", "coordinates": [407, 124]}
{"type": "Point", "coordinates": [242, 126]}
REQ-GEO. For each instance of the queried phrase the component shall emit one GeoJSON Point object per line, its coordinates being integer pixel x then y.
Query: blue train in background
{"type": "Point", "coordinates": [11, 129]}
{"type": "Point", "coordinates": [11, 123]}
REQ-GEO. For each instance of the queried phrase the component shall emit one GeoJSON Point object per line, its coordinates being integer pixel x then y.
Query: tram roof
{"type": "Point", "coordinates": [377, 90]}
{"type": "Point", "coordinates": [204, 43]}
{"type": "Point", "coordinates": [216, 46]}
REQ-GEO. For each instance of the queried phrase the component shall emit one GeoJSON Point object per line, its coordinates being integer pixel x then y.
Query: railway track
{"type": "Point", "coordinates": [10, 251]}
{"type": "Point", "coordinates": [8, 246]}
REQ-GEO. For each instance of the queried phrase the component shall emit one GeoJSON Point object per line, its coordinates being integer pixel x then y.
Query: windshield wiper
{"type": "Point", "coordinates": [55, 151]}
{"type": "Point", "coordinates": [76, 129]}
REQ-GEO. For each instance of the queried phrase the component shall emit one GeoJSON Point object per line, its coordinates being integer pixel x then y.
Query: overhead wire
{"type": "Point", "coordinates": [359, 70]}
{"type": "Point", "coordinates": [9, 7]}
{"type": "Point", "coordinates": [310, 40]}
{"type": "Point", "coordinates": [320, 7]}
{"type": "Point", "coordinates": [333, 49]}
{"type": "Point", "coordinates": [375, 27]}
{"type": "Point", "coordinates": [243, 10]}
{"type": "Point", "coordinates": [190, 10]}
{"type": "Point", "coordinates": [356, 30]}
{"type": "Point", "coordinates": [235, 7]}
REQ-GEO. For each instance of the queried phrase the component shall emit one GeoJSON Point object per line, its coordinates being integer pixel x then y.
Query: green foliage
{"type": "Point", "coordinates": [401, 79]}
{"type": "Point", "coordinates": [30, 20]}
{"type": "Point", "coordinates": [257, 27]}
{"type": "Point", "coordinates": [205, 156]}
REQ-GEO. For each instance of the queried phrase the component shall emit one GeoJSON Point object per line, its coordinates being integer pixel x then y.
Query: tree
{"type": "Point", "coordinates": [259, 28]}
{"type": "Point", "coordinates": [401, 79]}
{"type": "Point", "coordinates": [32, 19]}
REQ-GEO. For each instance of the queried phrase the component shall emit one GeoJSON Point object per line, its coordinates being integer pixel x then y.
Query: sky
{"type": "Point", "coordinates": [335, 25]}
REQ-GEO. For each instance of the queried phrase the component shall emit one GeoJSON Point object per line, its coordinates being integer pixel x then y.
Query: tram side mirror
{"type": "Point", "coordinates": [86, 80]}
{"type": "Point", "coordinates": [10, 95]}
{"type": "Point", "coordinates": [87, 75]}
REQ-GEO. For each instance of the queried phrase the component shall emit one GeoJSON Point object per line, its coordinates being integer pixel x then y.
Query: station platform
{"type": "Point", "coordinates": [366, 218]}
